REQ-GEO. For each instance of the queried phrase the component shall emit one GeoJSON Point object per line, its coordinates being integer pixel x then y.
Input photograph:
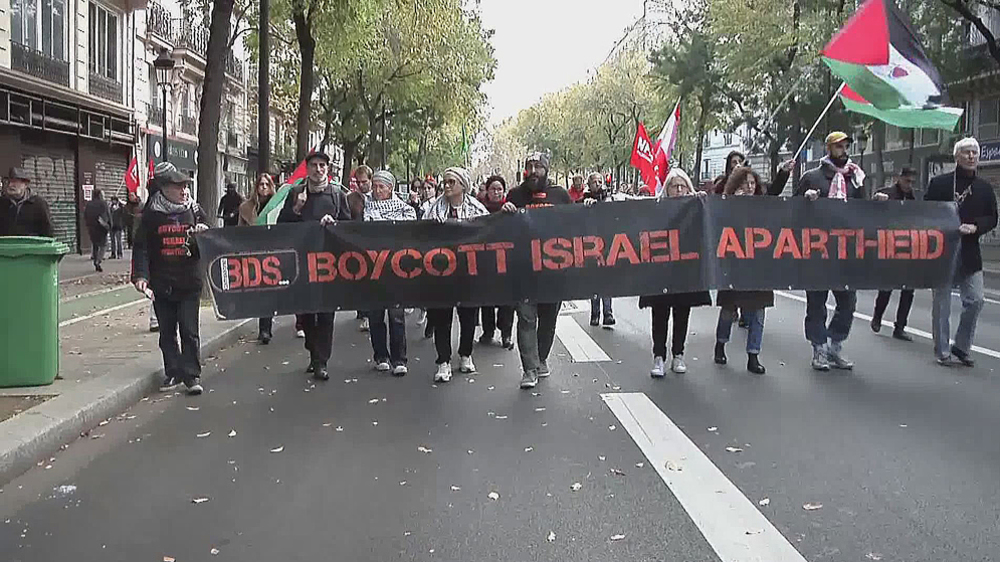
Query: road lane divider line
{"type": "Point", "coordinates": [985, 299]}
{"type": "Point", "coordinates": [887, 323]}
{"type": "Point", "coordinates": [581, 347]}
{"type": "Point", "coordinates": [731, 524]}
{"type": "Point", "coordinates": [72, 321]}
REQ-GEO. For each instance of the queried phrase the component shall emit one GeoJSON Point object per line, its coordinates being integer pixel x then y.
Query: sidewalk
{"type": "Point", "coordinates": [76, 267]}
{"type": "Point", "coordinates": [109, 360]}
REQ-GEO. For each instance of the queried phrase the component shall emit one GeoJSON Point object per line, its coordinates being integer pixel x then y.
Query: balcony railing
{"type": "Point", "coordinates": [158, 21]}
{"type": "Point", "coordinates": [234, 68]}
{"type": "Point", "coordinates": [193, 37]}
{"type": "Point", "coordinates": [232, 140]}
{"type": "Point", "coordinates": [37, 64]}
{"type": "Point", "coordinates": [155, 112]}
{"type": "Point", "coordinates": [105, 88]}
{"type": "Point", "coordinates": [189, 125]}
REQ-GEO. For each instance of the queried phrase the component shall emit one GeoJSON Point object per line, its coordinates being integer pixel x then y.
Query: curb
{"type": "Point", "coordinates": [41, 431]}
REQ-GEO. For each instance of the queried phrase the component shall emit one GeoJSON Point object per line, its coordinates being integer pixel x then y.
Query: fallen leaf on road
{"type": "Point", "coordinates": [373, 401]}
{"type": "Point", "coordinates": [403, 483]}
{"type": "Point", "coordinates": [327, 424]}
{"type": "Point", "coordinates": [490, 387]}
{"type": "Point", "coordinates": [536, 394]}
{"type": "Point", "coordinates": [498, 365]}
{"type": "Point", "coordinates": [617, 472]}
{"type": "Point", "coordinates": [469, 451]}
{"type": "Point", "coordinates": [612, 428]}
{"type": "Point", "coordinates": [104, 423]}
{"type": "Point", "coordinates": [493, 496]}
{"type": "Point", "coordinates": [734, 449]}
{"type": "Point", "coordinates": [601, 458]}
{"type": "Point", "coordinates": [617, 537]}
{"type": "Point", "coordinates": [616, 388]}
{"type": "Point", "coordinates": [501, 417]}
{"type": "Point", "coordinates": [471, 380]}
{"type": "Point", "coordinates": [903, 425]}
{"type": "Point", "coordinates": [873, 556]}
{"type": "Point", "coordinates": [232, 433]}
{"type": "Point", "coordinates": [674, 467]}
{"type": "Point", "coordinates": [168, 559]}
{"type": "Point", "coordinates": [193, 408]}
{"type": "Point", "coordinates": [528, 449]}
{"type": "Point", "coordinates": [551, 537]}
{"type": "Point", "coordinates": [278, 449]}
{"type": "Point", "coordinates": [199, 500]}
{"type": "Point", "coordinates": [564, 392]}
{"type": "Point", "coordinates": [764, 502]}
{"type": "Point", "coordinates": [375, 422]}
{"type": "Point", "coordinates": [713, 429]}
{"type": "Point", "coordinates": [639, 465]}
{"type": "Point", "coordinates": [284, 362]}
{"type": "Point", "coordinates": [755, 531]}
{"type": "Point", "coordinates": [576, 487]}
{"type": "Point", "coordinates": [423, 449]}
{"type": "Point", "coordinates": [812, 506]}
{"type": "Point", "coordinates": [456, 489]}
{"type": "Point", "coordinates": [539, 409]}
{"type": "Point", "coordinates": [97, 436]}
{"type": "Point", "coordinates": [339, 428]}
{"type": "Point", "coordinates": [206, 434]}
{"type": "Point", "coordinates": [214, 552]}
{"type": "Point", "coordinates": [407, 533]}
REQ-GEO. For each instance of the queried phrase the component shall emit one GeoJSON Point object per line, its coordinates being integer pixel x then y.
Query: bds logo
{"type": "Point", "coordinates": [254, 271]}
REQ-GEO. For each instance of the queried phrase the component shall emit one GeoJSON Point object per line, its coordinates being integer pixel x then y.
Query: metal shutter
{"type": "Point", "coordinates": [53, 169]}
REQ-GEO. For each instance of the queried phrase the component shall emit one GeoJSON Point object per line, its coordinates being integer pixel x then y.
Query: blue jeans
{"type": "Point", "coordinates": [970, 288]}
{"type": "Point", "coordinates": [755, 326]}
{"type": "Point", "coordinates": [392, 349]}
{"type": "Point", "coordinates": [817, 331]}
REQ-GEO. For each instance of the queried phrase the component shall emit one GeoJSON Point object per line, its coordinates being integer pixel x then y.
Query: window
{"type": "Point", "coordinates": [47, 35]}
{"type": "Point", "coordinates": [705, 169]}
{"type": "Point", "coordinates": [727, 139]}
{"type": "Point", "coordinates": [989, 115]}
{"type": "Point", "coordinates": [708, 140]}
{"type": "Point", "coordinates": [929, 137]}
{"type": "Point", "coordinates": [103, 42]}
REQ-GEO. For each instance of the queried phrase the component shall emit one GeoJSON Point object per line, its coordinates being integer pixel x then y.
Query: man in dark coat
{"type": "Point", "coordinates": [902, 190]}
{"type": "Point", "coordinates": [229, 206]}
{"type": "Point", "coordinates": [837, 177]}
{"type": "Point", "coordinates": [317, 200]}
{"type": "Point", "coordinates": [97, 218]}
{"type": "Point", "coordinates": [977, 210]}
{"type": "Point", "coordinates": [21, 212]}
{"type": "Point", "coordinates": [536, 322]}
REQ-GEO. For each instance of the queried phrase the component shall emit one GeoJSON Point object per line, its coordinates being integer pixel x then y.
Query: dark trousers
{"type": "Point", "coordinates": [264, 326]}
{"type": "Point", "coordinates": [319, 336]}
{"type": "Point", "coordinates": [179, 317]}
{"type": "Point", "coordinates": [498, 317]}
{"type": "Point", "coordinates": [442, 321]}
{"type": "Point", "coordinates": [902, 311]}
{"type": "Point", "coordinates": [393, 347]}
{"type": "Point", "coordinates": [661, 318]}
{"type": "Point", "coordinates": [536, 330]}
{"type": "Point", "coordinates": [817, 331]}
{"type": "Point", "coordinates": [117, 252]}
{"type": "Point", "coordinates": [98, 243]}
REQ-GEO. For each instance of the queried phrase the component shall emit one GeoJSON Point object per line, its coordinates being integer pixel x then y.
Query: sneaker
{"type": "Point", "coordinates": [609, 319]}
{"type": "Point", "coordinates": [422, 317]}
{"type": "Point", "coordinates": [657, 370]}
{"type": "Point", "coordinates": [443, 373]}
{"type": "Point", "coordinates": [363, 325]}
{"type": "Point", "coordinates": [264, 339]}
{"type": "Point", "coordinates": [902, 336]}
{"type": "Point", "coordinates": [962, 357]}
{"type": "Point", "coordinates": [819, 360]}
{"type": "Point", "coordinates": [169, 383]}
{"type": "Point", "coordinates": [543, 369]}
{"type": "Point", "coordinates": [720, 353]}
{"type": "Point", "coordinates": [400, 370]}
{"type": "Point", "coordinates": [876, 324]}
{"type": "Point", "coordinates": [382, 366]}
{"type": "Point", "coordinates": [154, 324]}
{"type": "Point", "coordinates": [194, 387]}
{"type": "Point", "coordinates": [742, 323]}
{"type": "Point", "coordinates": [301, 334]}
{"type": "Point", "coordinates": [320, 373]}
{"type": "Point", "coordinates": [486, 340]}
{"type": "Point", "coordinates": [466, 365]}
{"type": "Point", "coordinates": [837, 359]}
{"type": "Point", "coordinates": [529, 379]}
{"type": "Point", "coordinates": [595, 320]}
{"type": "Point", "coordinates": [753, 364]}
{"type": "Point", "coordinates": [508, 344]}
{"type": "Point", "coordinates": [311, 369]}
{"type": "Point", "coordinates": [947, 361]}
{"type": "Point", "coordinates": [99, 269]}
{"type": "Point", "coordinates": [678, 365]}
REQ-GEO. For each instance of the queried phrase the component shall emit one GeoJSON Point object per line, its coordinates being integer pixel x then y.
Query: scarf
{"type": "Point", "coordinates": [392, 209]}
{"type": "Point", "coordinates": [316, 188]}
{"type": "Point", "coordinates": [463, 176]}
{"type": "Point", "coordinates": [838, 186]}
{"type": "Point", "coordinates": [440, 208]}
{"type": "Point", "coordinates": [159, 203]}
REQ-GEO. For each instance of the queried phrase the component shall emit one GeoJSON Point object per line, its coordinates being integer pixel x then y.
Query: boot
{"type": "Point", "coordinates": [753, 364]}
{"type": "Point", "coordinates": [720, 353]}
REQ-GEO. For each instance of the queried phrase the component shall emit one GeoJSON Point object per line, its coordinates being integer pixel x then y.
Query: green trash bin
{"type": "Point", "coordinates": [29, 310]}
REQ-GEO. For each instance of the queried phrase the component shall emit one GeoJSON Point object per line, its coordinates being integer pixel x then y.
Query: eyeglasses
{"type": "Point", "coordinates": [450, 181]}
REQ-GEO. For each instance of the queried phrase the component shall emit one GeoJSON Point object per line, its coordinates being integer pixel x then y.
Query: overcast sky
{"type": "Point", "coordinates": [545, 45]}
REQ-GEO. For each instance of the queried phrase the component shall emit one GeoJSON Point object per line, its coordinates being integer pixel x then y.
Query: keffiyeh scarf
{"type": "Point", "coordinates": [838, 186]}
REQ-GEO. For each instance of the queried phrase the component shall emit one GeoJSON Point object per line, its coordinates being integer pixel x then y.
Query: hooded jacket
{"type": "Point", "coordinates": [28, 217]}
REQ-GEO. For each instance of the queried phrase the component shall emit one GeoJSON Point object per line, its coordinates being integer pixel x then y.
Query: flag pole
{"type": "Point", "coordinates": [818, 119]}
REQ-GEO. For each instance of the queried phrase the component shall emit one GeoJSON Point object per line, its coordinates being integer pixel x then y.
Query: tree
{"type": "Point", "coordinates": [211, 102]}
{"type": "Point", "coordinates": [973, 12]}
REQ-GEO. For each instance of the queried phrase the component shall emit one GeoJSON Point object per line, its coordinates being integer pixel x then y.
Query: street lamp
{"type": "Point", "coordinates": [164, 66]}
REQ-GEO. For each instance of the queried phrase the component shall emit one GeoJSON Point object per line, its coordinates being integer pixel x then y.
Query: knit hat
{"type": "Point", "coordinates": [463, 177]}
{"type": "Point", "coordinates": [385, 176]}
{"type": "Point", "coordinates": [540, 157]}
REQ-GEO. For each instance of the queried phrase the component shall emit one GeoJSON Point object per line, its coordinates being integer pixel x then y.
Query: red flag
{"type": "Point", "coordinates": [642, 155]}
{"type": "Point", "coordinates": [132, 175]}
{"type": "Point", "coordinates": [152, 168]}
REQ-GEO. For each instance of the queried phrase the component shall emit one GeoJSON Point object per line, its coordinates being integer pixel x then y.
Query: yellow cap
{"type": "Point", "coordinates": [838, 136]}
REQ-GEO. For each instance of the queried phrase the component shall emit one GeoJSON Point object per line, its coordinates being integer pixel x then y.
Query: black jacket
{"type": "Point", "coordinates": [820, 180]}
{"type": "Point", "coordinates": [229, 208]}
{"type": "Point", "coordinates": [523, 197]}
{"type": "Point", "coordinates": [93, 213]}
{"type": "Point", "coordinates": [895, 193]}
{"type": "Point", "coordinates": [977, 204]}
{"type": "Point", "coordinates": [165, 253]}
{"type": "Point", "coordinates": [31, 217]}
{"type": "Point", "coordinates": [331, 201]}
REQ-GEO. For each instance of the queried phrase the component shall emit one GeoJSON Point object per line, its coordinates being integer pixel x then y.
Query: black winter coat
{"type": "Point", "coordinates": [165, 253]}
{"type": "Point", "coordinates": [977, 204]}
{"type": "Point", "coordinates": [821, 178]}
{"type": "Point", "coordinates": [29, 218]}
{"type": "Point", "coordinates": [331, 201]}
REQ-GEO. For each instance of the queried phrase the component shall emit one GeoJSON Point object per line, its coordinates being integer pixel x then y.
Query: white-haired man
{"type": "Point", "coordinates": [977, 211]}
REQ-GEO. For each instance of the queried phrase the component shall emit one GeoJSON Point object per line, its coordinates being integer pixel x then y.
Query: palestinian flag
{"type": "Point", "coordinates": [879, 56]}
{"type": "Point", "coordinates": [939, 117]}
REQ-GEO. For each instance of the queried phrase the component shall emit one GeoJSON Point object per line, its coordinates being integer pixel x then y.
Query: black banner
{"type": "Point", "coordinates": [611, 249]}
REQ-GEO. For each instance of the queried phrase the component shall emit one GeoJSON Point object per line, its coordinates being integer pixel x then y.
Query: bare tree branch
{"type": "Point", "coordinates": [964, 10]}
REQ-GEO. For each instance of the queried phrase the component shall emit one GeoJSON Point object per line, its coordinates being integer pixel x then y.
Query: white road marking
{"type": "Point", "coordinates": [908, 330]}
{"type": "Point", "coordinates": [581, 347]}
{"type": "Point", "coordinates": [101, 312]}
{"type": "Point", "coordinates": [986, 299]}
{"type": "Point", "coordinates": [731, 524]}
{"type": "Point", "coordinates": [574, 307]}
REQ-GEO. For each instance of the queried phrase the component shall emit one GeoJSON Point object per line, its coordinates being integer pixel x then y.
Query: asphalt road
{"type": "Point", "coordinates": [901, 454]}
